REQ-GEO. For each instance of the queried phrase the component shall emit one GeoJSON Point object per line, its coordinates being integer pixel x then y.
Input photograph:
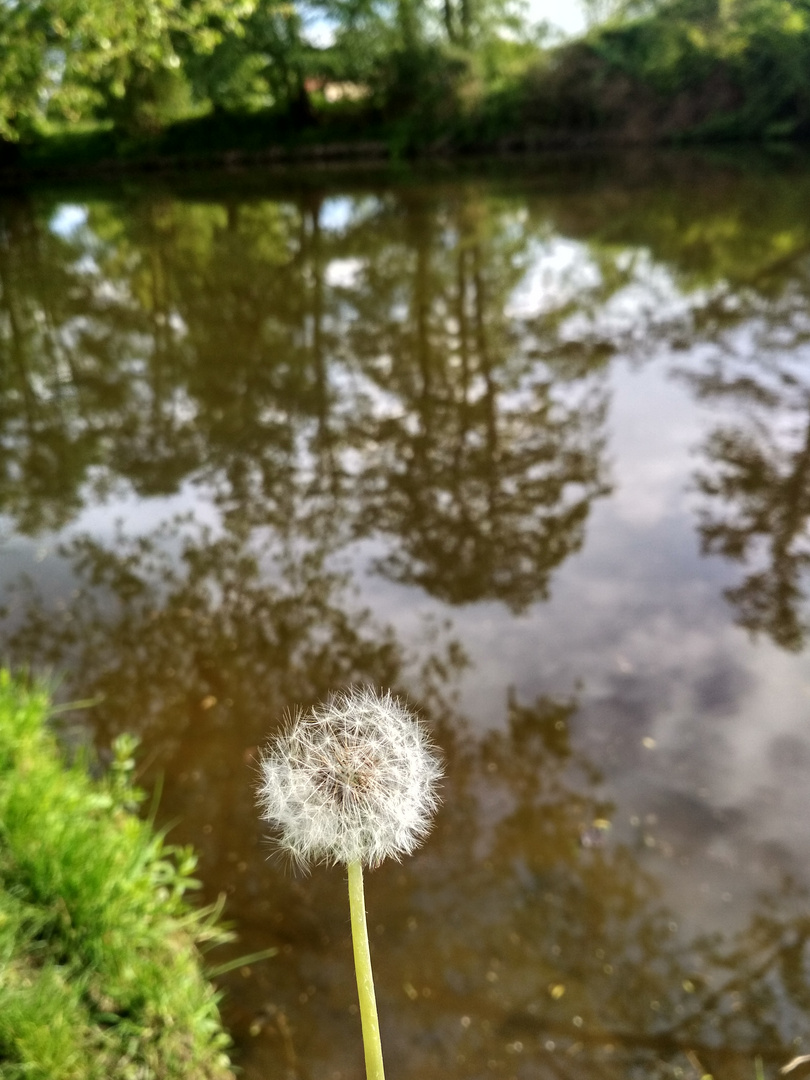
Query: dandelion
{"type": "Point", "coordinates": [352, 781]}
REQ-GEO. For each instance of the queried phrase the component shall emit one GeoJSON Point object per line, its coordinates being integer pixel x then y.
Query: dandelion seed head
{"type": "Point", "coordinates": [351, 780]}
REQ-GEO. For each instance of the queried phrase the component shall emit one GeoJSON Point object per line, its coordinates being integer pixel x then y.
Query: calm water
{"type": "Point", "coordinates": [536, 454]}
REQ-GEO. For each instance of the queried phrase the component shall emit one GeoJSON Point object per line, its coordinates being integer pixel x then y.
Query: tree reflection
{"type": "Point", "coordinates": [189, 626]}
{"type": "Point", "coordinates": [45, 451]}
{"type": "Point", "coordinates": [245, 343]}
{"type": "Point", "coordinates": [160, 310]}
{"type": "Point", "coordinates": [486, 461]}
{"type": "Point", "coordinates": [711, 223]}
{"type": "Point", "coordinates": [730, 255]}
{"type": "Point", "coordinates": [756, 480]}
{"type": "Point", "coordinates": [682, 250]}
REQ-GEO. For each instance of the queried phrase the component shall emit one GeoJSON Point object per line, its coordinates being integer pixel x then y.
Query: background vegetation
{"type": "Point", "coordinates": [100, 973]}
{"type": "Point", "coordinates": [182, 76]}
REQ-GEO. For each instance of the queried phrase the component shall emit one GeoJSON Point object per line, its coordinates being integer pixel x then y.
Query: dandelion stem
{"type": "Point", "coordinates": [365, 979]}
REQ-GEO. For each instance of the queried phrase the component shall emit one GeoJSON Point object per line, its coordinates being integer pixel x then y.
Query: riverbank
{"type": "Point", "coordinates": [397, 89]}
{"type": "Point", "coordinates": [665, 80]}
{"type": "Point", "coordinates": [102, 974]}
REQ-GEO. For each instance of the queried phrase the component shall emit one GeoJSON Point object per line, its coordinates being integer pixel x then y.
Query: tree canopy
{"type": "Point", "coordinates": [137, 62]}
{"type": "Point", "coordinates": [76, 58]}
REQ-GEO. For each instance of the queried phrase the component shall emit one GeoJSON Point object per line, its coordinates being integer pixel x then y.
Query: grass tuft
{"type": "Point", "coordinates": [101, 971]}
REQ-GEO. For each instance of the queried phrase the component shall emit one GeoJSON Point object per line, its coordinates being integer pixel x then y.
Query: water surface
{"type": "Point", "coordinates": [534, 453]}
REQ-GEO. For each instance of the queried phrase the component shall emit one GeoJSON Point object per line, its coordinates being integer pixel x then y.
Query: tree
{"type": "Point", "coordinates": [600, 11]}
{"type": "Point", "coordinates": [264, 58]}
{"type": "Point", "coordinates": [72, 57]}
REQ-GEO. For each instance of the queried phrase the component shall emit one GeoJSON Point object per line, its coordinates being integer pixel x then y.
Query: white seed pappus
{"type": "Point", "coordinates": [351, 780]}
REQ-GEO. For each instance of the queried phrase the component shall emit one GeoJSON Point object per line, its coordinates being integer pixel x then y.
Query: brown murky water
{"type": "Point", "coordinates": [536, 454]}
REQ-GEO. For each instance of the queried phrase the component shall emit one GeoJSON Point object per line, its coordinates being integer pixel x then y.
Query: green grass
{"type": "Point", "coordinates": [101, 971]}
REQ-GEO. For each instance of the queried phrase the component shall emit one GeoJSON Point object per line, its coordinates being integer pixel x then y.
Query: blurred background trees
{"type": "Point", "coordinates": [467, 72]}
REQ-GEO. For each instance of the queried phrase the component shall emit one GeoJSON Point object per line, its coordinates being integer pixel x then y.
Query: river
{"type": "Point", "coordinates": [529, 446]}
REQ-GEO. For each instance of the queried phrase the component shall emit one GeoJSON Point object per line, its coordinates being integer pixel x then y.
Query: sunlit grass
{"type": "Point", "coordinates": [100, 963]}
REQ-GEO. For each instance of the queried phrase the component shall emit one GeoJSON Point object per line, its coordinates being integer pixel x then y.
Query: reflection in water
{"type": "Point", "coordinates": [486, 463]}
{"type": "Point", "coordinates": [399, 392]}
{"type": "Point", "coordinates": [270, 447]}
{"type": "Point", "coordinates": [756, 480]}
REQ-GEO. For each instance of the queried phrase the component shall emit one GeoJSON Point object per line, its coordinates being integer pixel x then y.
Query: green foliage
{"type": "Point", "coordinates": [264, 60]}
{"type": "Point", "coordinates": [767, 45]}
{"type": "Point", "coordinates": [100, 972]}
{"type": "Point", "coordinates": [667, 54]}
{"type": "Point", "coordinates": [144, 67]}
{"type": "Point", "coordinates": [71, 59]}
{"type": "Point", "coordinates": [152, 99]}
{"type": "Point", "coordinates": [451, 74]}
{"type": "Point", "coordinates": [425, 85]}
{"type": "Point", "coordinates": [750, 59]}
